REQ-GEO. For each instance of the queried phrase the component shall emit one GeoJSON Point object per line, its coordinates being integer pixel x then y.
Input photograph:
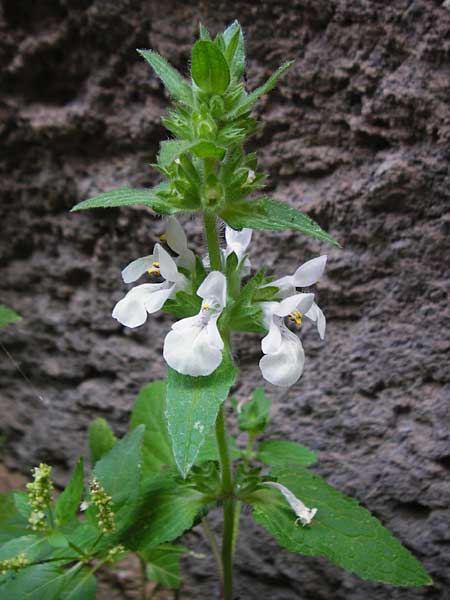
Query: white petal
{"type": "Point", "coordinates": [156, 300]}
{"type": "Point", "coordinates": [272, 342]}
{"type": "Point", "coordinates": [237, 241]}
{"type": "Point", "coordinates": [176, 238]}
{"type": "Point", "coordinates": [214, 338]}
{"type": "Point", "coordinates": [186, 260]}
{"type": "Point", "coordinates": [286, 286]}
{"type": "Point", "coordinates": [315, 314]}
{"type": "Point", "coordinates": [137, 268]}
{"type": "Point", "coordinates": [188, 349]}
{"type": "Point", "coordinates": [131, 311]}
{"type": "Point", "coordinates": [304, 513]}
{"type": "Point", "coordinates": [310, 272]}
{"type": "Point", "coordinates": [214, 287]}
{"type": "Point", "coordinates": [167, 265]}
{"type": "Point", "coordinates": [284, 367]}
{"type": "Point", "coordinates": [300, 302]}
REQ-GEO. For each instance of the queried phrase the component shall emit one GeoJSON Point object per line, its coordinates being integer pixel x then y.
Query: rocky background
{"type": "Point", "coordinates": [357, 135]}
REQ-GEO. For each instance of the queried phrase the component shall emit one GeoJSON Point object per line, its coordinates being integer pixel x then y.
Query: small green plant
{"type": "Point", "coordinates": [177, 462]}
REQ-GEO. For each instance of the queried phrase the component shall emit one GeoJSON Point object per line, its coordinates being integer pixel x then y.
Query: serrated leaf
{"type": "Point", "coordinates": [209, 68]}
{"type": "Point", "coordinates": [80, 586]}
{"type": "Point", "coordinates": [171, 150]}
{"type": "Point", "coordinates": [149, 410]}
{"type": "Point", "coordinates": [37, 582]}
{"type": "Point", "coordinates": [235, 52]}
{"type": "Point", "coordinates": [32, 546]}
{"type": "Point", "coordinates": [129, 197]}
{"type": "Point", "coordinates": [171, 78]}
{"type": "Point", "coordinates": [12, 523]}
{"type": "Point", "coordinates": [165, 511]}
{"type": "Point", "coordinates": [192, 407]}
{"type": "Point", "coordinates": [119, 473]}
{"type": "Point", "coordinates": [249, 100]}
{"type": "Point", "coordinates": [279, 453]}
{"type": "Point", "coordinates": [163, 564]}
{"type": "Point", "coordinates": [342, 530]}
{"type": "Point", "coordinates": [254, 415]}
{"type": "Point", "coordinates": [69, 500]}
{"type": "Point", "coordinates": [101, 439]}
{"type": "Point", "coordinates": [265, 213]}
{"type": "Point", "coordinates": [7, 316]}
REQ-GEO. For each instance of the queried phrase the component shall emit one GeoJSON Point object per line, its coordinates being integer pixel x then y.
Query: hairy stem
{"type": "Point", "coordinates": [213, 242]}
{"type": "Point", "coordinates": [209, 534]}
{"type": "Point", "coordinates": [222, 441]}
{"type": "Point", "coordinates": [228, 505]}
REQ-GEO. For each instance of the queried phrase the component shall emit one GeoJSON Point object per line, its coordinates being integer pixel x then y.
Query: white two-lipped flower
{"type": "Point", "coordinates": [148, 298]}
{"type": "Point", "coordinates": [284, 357]}
{"type": "Point", "coordinates": [194, 346]}
{"type": "Point", "coordinates": [238, 242]}
{"type": "Point", "coordinates": [304, 514]}
{"type": "Point", "coordinates": [307, 274]}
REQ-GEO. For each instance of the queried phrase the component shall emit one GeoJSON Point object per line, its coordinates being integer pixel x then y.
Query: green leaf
{"type": "Point", "coordinates": [171, 78]}
{"type": "Point", "coordinates": [7, 316]}
{"type": "Point", "coordinates": [249, 100]}
{"type": "Point", "coordinates": [210, 451]}
{"type": "Point", "coordinates": [281, 453]}
{"type": "Point", "coordinates": [37, 582]}
{"type": "Point", "coordinates": [192, 407]}
{"type": "Point", "coordinates": [203, 32]}
{"type": "Point", "coordinates": [128, 197]}
{"type": "Point", "coordinates": [235, 51]}
{"type": "Point", "coordinates": [342, 530]}
{"type": "Point", "coordinates": [149, 410]}
{"type": "Point", "coordinates": [12, 523]}
{"type": "Point", "coordinates": [22, 505]}
{"type": "Point", "coordinates": [171, 150]}
{"type": "Point", "coordinates": [69, 501]}
{"type": "Point", "coordinates": [254, 415]}
{"type": "Point", "coordinates": [119, 473]}
{"type": "Point", "coordinates": [80, 586]}
{"type": "Point", "coordinates": [265, 213]}
{"type": "Point", "coordinates": [165, 511]}
{"type": "Point", "coordinates": [30, 545]}
{"type": "Point", "coordinates": [209, 68]}
{"type": "Point", "coordinates": [56, 539]}
{"type": "Point", "coordinates": [101, 439]}
{"type": "Point", "coordinates": [206, 149]}
{"type": "Point", "coordinates": [163, 564]}
{"type": "Point", "coordinates": [183, 305]}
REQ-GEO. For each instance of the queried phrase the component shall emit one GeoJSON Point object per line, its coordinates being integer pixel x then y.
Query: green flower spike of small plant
{"type": "Point", "coordinates": [102, 503]}
{"type": "Point", "coordinates": [40, 496]}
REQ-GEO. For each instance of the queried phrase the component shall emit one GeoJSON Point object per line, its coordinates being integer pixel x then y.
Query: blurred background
{"type": "Point", "coordinates": [357, 135]}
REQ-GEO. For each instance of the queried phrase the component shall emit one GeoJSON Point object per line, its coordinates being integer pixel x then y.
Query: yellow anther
{"type": "Point", "coordinates": [205, 306]}
{"type": "Point", "coordinates": [296, 317]}
{"type": "Point", "coordinates": [154, 269]}
{"type": "Point", "coordinates": [163, 237]}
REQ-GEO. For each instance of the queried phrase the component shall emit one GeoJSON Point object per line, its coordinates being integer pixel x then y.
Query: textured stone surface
{"type": "Point", "coordinates": [357, 135]}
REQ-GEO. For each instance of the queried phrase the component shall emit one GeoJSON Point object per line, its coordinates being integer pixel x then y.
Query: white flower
{"type": "Point", "coordinates": [283, 360]}
{"type": "Point", "coordinates": [148, 298]}
{"type": "Point", "coordinates": [194, 346]}
{"type": "Point", "coordinates": [177, 241]}
{"type": "Point", "coordinates": [305, 515]}
{"type": "Point", "coordinates": [237, 242]}
{"type": "Point", "coordinates": [306, 275]}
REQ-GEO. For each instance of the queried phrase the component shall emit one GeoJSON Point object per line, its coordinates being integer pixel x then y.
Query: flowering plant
{"type": "Point", "coordinates": [178, 462]}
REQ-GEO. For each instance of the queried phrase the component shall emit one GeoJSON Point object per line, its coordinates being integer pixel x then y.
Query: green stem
{"type": "Point", "coordinates": [143, 578]}
{"type": "Point", "coordinates": [237, 513]}
{"type": "Point", "coordinates": [228, 505]}
{"type": "Point", "coordinates": [209, 534]}
{"type": "Point", "coordinates": [212, 239]}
